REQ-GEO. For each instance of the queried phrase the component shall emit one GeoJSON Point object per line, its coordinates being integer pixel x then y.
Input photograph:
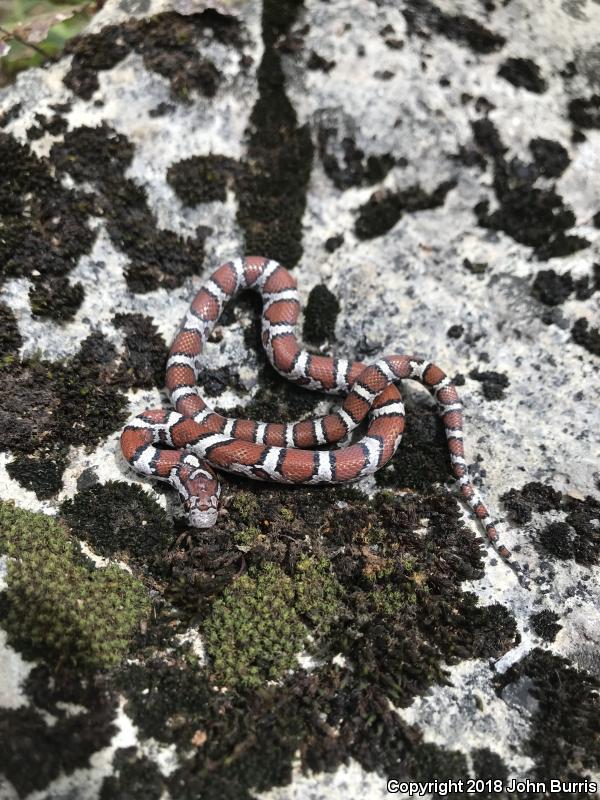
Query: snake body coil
{"type": "Point", "coordinates": [183, 446]}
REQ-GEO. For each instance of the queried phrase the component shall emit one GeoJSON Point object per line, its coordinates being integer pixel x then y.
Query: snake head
{"type": "Point", "coordinates": [199, 491]}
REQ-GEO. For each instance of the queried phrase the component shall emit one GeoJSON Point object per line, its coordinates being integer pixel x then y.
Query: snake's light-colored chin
{"type": "Point", "coordinates": [203, 519]}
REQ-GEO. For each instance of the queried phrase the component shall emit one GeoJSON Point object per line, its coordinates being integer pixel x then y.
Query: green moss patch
{"type": "Point", "coordinates": [57, 604]}
{"type": "Point", "coordinates": [254, 631]}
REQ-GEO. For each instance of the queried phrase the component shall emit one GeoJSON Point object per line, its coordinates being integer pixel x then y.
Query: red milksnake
{"type": "Point", "coordinates": [183, 446]}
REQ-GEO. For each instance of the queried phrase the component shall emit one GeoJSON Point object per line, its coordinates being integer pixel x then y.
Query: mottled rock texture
{"type": "Point", "coordinates": [428, 170]}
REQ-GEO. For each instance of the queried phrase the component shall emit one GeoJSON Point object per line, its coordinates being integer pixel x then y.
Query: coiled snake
{"type": "Point", "coordinates": [182, 446]}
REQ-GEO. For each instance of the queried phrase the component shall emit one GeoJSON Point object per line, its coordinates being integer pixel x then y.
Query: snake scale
{"type": "Point", "coordinates": [184, 446]}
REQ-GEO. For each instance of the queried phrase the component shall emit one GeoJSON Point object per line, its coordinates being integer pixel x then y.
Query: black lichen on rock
{"type": "Point", "coordinates": [117, 518]}
{"type": "Point", "coordinates": [332, 244]}
{"type": "Point", "coordinates": [167, 43]}
{"type": "Point", "coordinates": [523, 73]}
{"type": "Point", "coordinates": [422, 458]}
{"type": "Point", "coordinates": [585, 112]}
{"type": "Point", "coordinates": [48, 406]}
{"type": "Point", "coordinates": [493, 383]}
{"type": "Point", "coordinates": [10, 338]}
{"type": "Point", "coordinates": [534, 496]}
{"type": "Point", "coordinates": [11, 113]}
{"type": "Point", "coordinates": [563, 738]}
{"type": "Point", "coordinates": [134, 776]}
{"type": "Point", "coordinates": [39, 474]}
{"type": "Point", "coordinates": [551, 288]}
{"type": "Point", "coordinates": [156, 257]}
{"type": "Point", "coordinates": [202, 179]}
{"type": "Point", "coordinates": [145, 355]}
{"type": "Point", "coordinates": [384, 208]}
{"type": "Point", "coordinates": [54, 125]}
{"type": "Point", "coordinates": [534, 216]}
{"type": "Point", "coordinates": [578, 538]}
{"type": "Point", "coordinates": [390, 595]}
{"type": "Point", "coordinates": [317, 62]}
{"type": "Point", "coordinates": [35, 752]}
{"type": "Point", "coordinates": [320, 315]}
{"type": "Point", "coordinates": [586, 335]}
{"type": "Point", "coordinates": [55, 298]}
{"type": "Point", "coordinates": [344, 162]}
{"type": "Point", "coordinates": [43, 230]}
{"type": "Point", "coordinates": [550, 157]}
{"type": "Point", "coordinates": [424, 18]}
{"type": "Point", "coordinates": [545, 624]}
{"type": "Point", "coordinates": [272, 185]}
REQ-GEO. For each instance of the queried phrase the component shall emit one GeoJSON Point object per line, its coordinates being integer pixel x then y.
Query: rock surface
{"type": "Point", "coordinates": [428, 170]}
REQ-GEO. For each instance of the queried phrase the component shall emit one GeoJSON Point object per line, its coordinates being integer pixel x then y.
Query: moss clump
{"type": "Point", "coordinates": [47, 406]}
{"type": "Point", "coordinates": [317, 592]}
{"type": "Point", "coordinates": [253, 632]}
{"type": "Point", "coordinates": [246, 505]}
{"type": "Point", "coordinates": [10, 338]}
{"type": "Point", "coordinates": [320, 315]}
{"type": "Point", "coordinates": [248, 537]}
{"type": "Point", "coordinates": [117, 517]}
{"type": "Point", "coordinates": [59, 604]}
{"type": "Point", "coordinates": [202, 179]}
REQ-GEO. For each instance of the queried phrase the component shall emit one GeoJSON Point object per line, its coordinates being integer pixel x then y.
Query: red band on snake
{"type": "Point", "coordinates": [182, 446]}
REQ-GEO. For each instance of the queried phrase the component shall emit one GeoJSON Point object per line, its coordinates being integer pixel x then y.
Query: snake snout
{"type": "Point", "coordinates": [201, 513]}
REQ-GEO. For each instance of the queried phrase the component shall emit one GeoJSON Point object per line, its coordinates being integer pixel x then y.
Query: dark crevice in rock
{"type": "Point", "coordinates": [273, 182]}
